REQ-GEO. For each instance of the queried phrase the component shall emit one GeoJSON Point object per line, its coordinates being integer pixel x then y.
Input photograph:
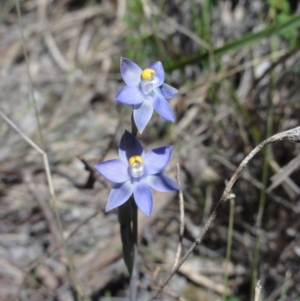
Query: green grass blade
{"type": "Point", "coordinates": [247, 39]}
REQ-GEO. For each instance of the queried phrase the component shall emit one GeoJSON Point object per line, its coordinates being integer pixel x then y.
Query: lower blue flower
{"type": "Point", "coordinates": [136, 172]}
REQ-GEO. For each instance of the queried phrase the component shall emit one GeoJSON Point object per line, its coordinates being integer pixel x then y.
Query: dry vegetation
{"type": "Point", "coordinates": [64, 56]}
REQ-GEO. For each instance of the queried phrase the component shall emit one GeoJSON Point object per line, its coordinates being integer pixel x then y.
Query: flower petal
{"type": "Point", "coordinates": [119, 194]}
{"type": "Point", "coordinates": [142, 114]}
{"type": "Point", "coordinates": [143, 197]}
{"type": "Point", "coordinates": [162, 182]}
{"type": "Point", "coordinates": [167, 91]}
{"type": "Point", "coordinates": [157, 159]}
{"type": "Point", "coordinates": [130, 95]}
{"type": "Point", "coordinates": [162, 107]}
{"type": "Point", "coordinates": [160, 73]}
{"type": "Point", "coordinates": [130, 72]}
{"type": "Point", "coordinates": [129, 146]}
{"type": "Point", "coordinates": [115, 171]}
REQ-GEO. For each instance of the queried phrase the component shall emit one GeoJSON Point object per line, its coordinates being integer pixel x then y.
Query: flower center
{"type": "Point", "coordinates": [148, 74]}
{"type": "Point", "coordinates": [136, 166]}
{"type": "Point", "coordinates": [147, 81]}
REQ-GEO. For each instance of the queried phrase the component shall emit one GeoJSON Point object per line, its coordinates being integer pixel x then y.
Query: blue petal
{"type": "Point", "coordinates": [168, 91]}
{"type": "Point", "coordinates": [160, 73]}
{"type": "Point", "coordinates": [142, 114]}
{"type": "Point", "coordinates": [130, 72]}
{"type": "Point", "coordinates": [143, 197]}
{"type": "Point", "coordinates": [162, 182]}
{"type": "Point", "coordinates": [115, 171]}
{"type": "Point", "coordinates": [119, 194]}
{"type": "Point", "coordinates": [130, 95]}
{"type": "Point", "coordinates": [157, 159]}
{"type": "Point", "coordinates": [129, 146]}
{"type": "Point", "coordinates": [162, 107]}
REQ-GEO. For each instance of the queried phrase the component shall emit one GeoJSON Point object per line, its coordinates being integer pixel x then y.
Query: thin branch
{"type": "Point", "coordinates": [91, 178]}
{"type": "Point", "coordinates": [292, 135]}
{"type": "Point", "coordinates": [257, 291]}
{"type": "Point", "coordinates": [29, 141]}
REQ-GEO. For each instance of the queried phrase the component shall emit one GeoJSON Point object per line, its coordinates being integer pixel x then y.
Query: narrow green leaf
{"type": "Point", "coordinates": [125, 218]}
{"type": "Point", "coordinates": [247, 39]}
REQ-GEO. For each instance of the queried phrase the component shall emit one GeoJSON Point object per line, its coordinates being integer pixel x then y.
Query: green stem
{"type": "Point", "coordinates": [125, 218]}
{"type": "Point", "coordinates": [262, 201]}
{"type": "Point", "coordinates": [134, 275]}
{"type": "Point", "coordinates": [134, 216]}
{"type": "Point", "coordinates": [229, 245]}
{"type": "Point", "coordinates": [134, 221]}
{"type": "Point", "coordinates": [134, 129]}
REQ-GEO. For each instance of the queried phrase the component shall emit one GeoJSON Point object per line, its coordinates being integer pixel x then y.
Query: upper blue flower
{"type": "Point", "coordinates": [136, 173]}
{"type": "Point", "coordinates": [145, 90]}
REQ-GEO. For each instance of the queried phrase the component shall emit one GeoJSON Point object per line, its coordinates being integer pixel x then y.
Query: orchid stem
{"type": "Point", "coordinates": [134, 274]}
{"type": "Point", "coordinates": [134, 221]}
{"type": "Point", "coordinates": [134, 130]}
{"type": "Point", "coordinates": [134, 217]}
{"type": "Point", "coordinates": [125, 221]}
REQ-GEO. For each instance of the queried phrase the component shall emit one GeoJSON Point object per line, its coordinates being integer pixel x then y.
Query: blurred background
{"type": "Point", "coordinates": [236, 64]}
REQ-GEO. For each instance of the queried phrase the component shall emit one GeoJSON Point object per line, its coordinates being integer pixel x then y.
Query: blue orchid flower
{"type": "Point", "coordinates": [145, 90]}
{"type": "Point", "coordinates": [136, 173]}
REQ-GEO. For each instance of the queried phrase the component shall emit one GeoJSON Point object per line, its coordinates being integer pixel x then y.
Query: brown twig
{"type": "Point", "coordinates": [257, 290]}
{"type": "Point", "coordinates": [91, 178]}
{"type": "Point", "coordinates": [292, 135]}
